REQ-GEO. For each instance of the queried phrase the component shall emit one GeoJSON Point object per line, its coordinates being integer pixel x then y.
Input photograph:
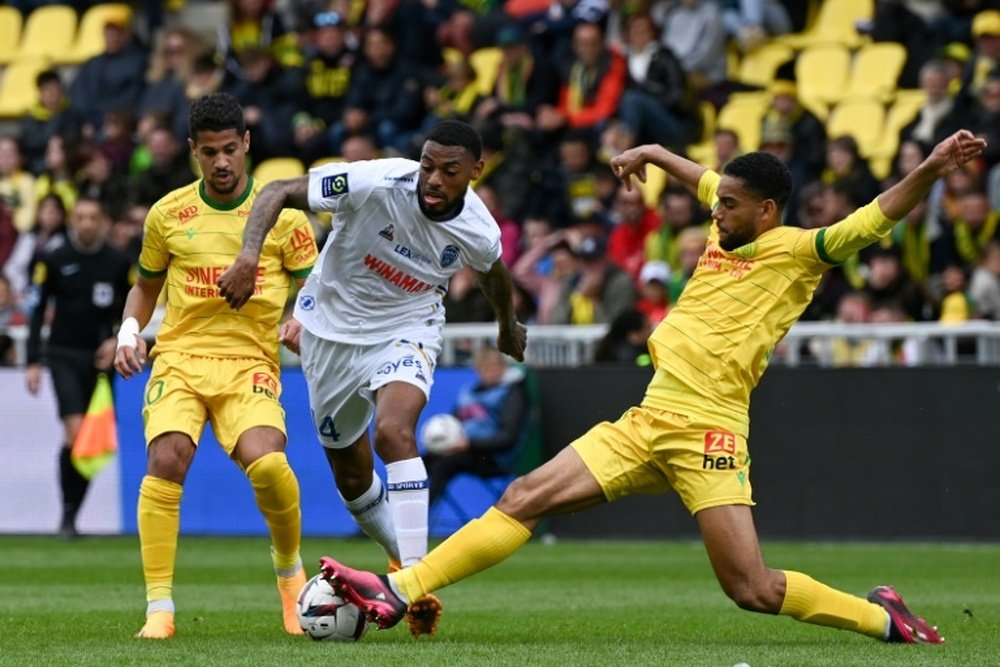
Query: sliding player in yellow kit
{"type": "Point", "coordinates": [212, 363]}
{"type": "Point", "coordinates": [690, 432]}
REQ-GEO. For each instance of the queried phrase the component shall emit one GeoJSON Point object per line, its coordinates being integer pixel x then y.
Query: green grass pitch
{"type": "Point", "coordinates": [570, 603]}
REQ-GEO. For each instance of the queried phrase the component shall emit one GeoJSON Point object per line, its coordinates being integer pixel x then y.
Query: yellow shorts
{"type": "Point", "coordinates": [235, 394]}
{"type": "Point", "coordinates": [653, 451]}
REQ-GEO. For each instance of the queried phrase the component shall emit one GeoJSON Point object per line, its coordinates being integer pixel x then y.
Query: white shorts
{"type": "Point", "coordinates": [343, 378]}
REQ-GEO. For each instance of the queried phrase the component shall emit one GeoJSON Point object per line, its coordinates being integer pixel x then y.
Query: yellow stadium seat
{"type": "Point", "coordinates": [862, 119]}
{"type": "Point", "coordinates": [743, 117]}
{"type": "Point", "coordinates": [277, 168]}
{"type": "Point", "coordinates": [656, 180]}
{"type": "Point", "coordinates": [906, 107]}
{"type": "Point", "coordinates": [48, 32]}
{"type": "Point", "coordinates": [323, 160]}
{"type": "Point", "coordinates": [875, 71]}
{"type": "Point", "coordinates": [486, 62]}
{"type": "Point", "coordinates": [18, 91]}
{"type": "Point", "coordinates": [11, 23]}
{"type": "Point", "coordinates": [833, 25]}
{"type": "Point", "coordinates": [821, 74]}
{"type": "Point", "coordinates": [758, 66]}
{"type": "Point", "coordinates": [90, 37]}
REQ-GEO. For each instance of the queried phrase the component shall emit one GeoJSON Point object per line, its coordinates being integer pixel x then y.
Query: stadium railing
{"type": "Point", "coordinates": [807, 343]}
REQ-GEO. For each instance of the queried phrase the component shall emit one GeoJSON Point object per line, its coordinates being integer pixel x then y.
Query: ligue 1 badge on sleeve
{"type": "Point", "coordinates": [333, 186]}
{"type": "Point", "coordinates": [448, 256]}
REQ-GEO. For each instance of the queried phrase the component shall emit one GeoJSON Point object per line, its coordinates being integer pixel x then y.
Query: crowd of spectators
{"type": "Point", "coordinates": [577, 81]}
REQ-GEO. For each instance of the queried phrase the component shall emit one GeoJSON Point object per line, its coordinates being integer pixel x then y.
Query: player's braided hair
{"type": "Point", "coordinates": [215, 113]}
{"type": "Point", "coordinates": [457, 133]}
{"type": "Point", "coordinates": [762, 174]}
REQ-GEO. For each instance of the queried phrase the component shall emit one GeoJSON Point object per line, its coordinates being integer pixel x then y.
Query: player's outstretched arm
{"type": "Point", "coordinates": [946, 157]}
{"type": "Point", "coordinates": [633, 163]}
{"type": "Point", "coordinates": [236, 283]}
{"type": "Point", "coordinates": [130, 354]}
{"type": "Point", "coordinates": [499, 290]}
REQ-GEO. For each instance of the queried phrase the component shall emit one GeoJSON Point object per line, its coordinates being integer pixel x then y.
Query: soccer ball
{"type": "Point", "coordinates": [441, 433]}
{"type": "Point", "coordinates": [325, 615]}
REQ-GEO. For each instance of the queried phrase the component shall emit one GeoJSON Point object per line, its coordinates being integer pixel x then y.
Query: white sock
{"type": "Point", "coordinates": [165, 604]}
{"type": "Point", "coordinates": [888, 626]}
{"type": "Point", "coordinates": [371, 512]}
{"type": "Point", "coordinates": [408, 500]}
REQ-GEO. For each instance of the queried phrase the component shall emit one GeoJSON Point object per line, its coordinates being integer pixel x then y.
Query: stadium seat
{"type": "Point", "coordinates": [277, 168]}
{"type": "Point", "coordinates": [48, 32]}
{"type": "Point", "coordinates": [743, 116]}
{"type": "Point", "coordinates": [906, 107]}
{"type": "Point", "coordinates": [10, 33]}
{"type": "Point", "coordinates": [862, 119]}
{"type": "Point", "coordinates": [758, 66]}
{"type": "Point", "coordinates": [835, 24]}
{"type": "Point", "coordinates": [90, 37]}
{"type": "Point", "coordinates": [18, 91]}
{"type": "Point", "coordinates": [875, 71]}
{"type": "Point", "coordinates": [656, 180]}
{"type": "Point", "coordinates": [323, 160]}
{"type": "Point", "coordinates": [822, 73]}
{"type": "Point", "coordinates": [486, 62]}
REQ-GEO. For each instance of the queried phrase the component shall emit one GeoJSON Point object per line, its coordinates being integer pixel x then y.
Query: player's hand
{"type": "Point", "coordinates": [105, 354]}
{"type": "Point", "coordinates": [289, 334]}
{"type": "Point", "coordinates": [955, 151]}
{"type": "Point", "coordinates": [129, 360]}
{"type": "Point", "coordinates": [628, 164]}
{"type": "Point", "coordinates": [236, 284]}
{"type": "Point", "coordinates": [33, 378]}
{"type": "Point", "coordinates": [512, 340]}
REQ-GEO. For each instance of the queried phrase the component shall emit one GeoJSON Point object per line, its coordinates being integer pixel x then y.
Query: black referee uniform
{"type": "Point", "coordinates": [88, 287]}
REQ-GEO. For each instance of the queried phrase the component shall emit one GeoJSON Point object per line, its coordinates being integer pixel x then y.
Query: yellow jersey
{"type": "Point", "coordinates": [715, 343]}
{"type": "Point", "coordinates": [192, 239]}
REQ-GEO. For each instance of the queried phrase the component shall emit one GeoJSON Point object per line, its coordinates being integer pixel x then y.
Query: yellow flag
{"type": "Point", "coordinates": [97, 441]}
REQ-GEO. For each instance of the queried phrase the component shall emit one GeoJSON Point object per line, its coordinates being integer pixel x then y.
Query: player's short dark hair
{"type": "Point", "coordinates": [215, 113]}
{"type": "Point", "coordinates": [762, 174]}
{"type": "Point", "coordinates": [457, 133]}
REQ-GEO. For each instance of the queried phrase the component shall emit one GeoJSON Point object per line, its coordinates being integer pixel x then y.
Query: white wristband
{"type": "Point", "coordinates": [128, 332]}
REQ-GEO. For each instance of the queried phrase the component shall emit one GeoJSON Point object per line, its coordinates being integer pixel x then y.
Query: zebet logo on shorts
{"type": "Point", "coordinates": [719, 449]}
{"type": "Point", "coordinates": [263, 383]}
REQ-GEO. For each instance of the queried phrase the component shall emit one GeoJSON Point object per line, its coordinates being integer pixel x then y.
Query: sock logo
{"type": "Point", "coordinates": [412, 485]}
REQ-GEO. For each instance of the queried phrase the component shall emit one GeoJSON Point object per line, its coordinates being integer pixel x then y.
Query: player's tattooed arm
{"type": "Point", "coordinates": [498, 289]}
{"type": "Point", "coordinates": [237, 283]}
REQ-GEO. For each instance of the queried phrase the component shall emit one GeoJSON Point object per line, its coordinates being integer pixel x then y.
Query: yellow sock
{"type": "Point", "coordinates": [277, 492]}
{"type": "Point", "coordinates": [478, 545]}
{"type": "Point", "coordinates": [809, 601]}
{"type": "Point", "coordinates": [159, 517]}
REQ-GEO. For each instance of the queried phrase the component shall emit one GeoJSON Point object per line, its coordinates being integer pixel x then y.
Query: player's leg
{"type": "Point", "coordinates": [342, 415]}
{"type": "Point", "coordinates": [174, 416]}
{"type": "Point", "coordinates": [363, 493]}
{"type": "Point", "coordinates": [169, 456]}
{"type": "Point", "coordinates": [249, 422]}
{"type": "Point", "coordinates": [260, 451]}
{"type": "Point", "coordinates": [564, 484]}
{"type": "Point", "coordinates": [733, 549]}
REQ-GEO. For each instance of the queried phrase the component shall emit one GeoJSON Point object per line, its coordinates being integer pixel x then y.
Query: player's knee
{"type": "Point", "coordinates": [394, 439]}
{"type": "Point", "coordinates": [521, 500]}
{"type": "Point", "coordinates": [751, 594]}
{"type": "Point", "coordinates": [169, 459]}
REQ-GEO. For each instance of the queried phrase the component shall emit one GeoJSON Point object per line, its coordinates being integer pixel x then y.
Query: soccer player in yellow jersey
{"type": "Point", "coordinates": [210, 362]}
{"type": "Point", "coordinates": [690, 432]}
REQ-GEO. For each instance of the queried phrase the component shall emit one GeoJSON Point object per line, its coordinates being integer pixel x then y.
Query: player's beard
{"type": "Point", "coordinates": [228, 188]}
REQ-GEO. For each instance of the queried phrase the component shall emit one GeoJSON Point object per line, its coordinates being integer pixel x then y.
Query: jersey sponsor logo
{"type": "Point", "coordinates": [307, 302]}
{"type": "Point", "coordinates": [720, 446]}
{"type": "Point", "coordinates": [264, 383]}
{"type": "Point", "coordinates": [187, 213]}
{"type": "Point", "coordinates": [409, 361]}
{"type": "Point", "coordinates": [302, 240]}
{"type": "Point", "coordinates": [399, 179]}
{"type": "Point", "coordinates": [396, 276]}
{"type": "Point", "coordinates": [411, 254]}
{"type": "Point", "coordinates": [387, 233]}
{"type": "Point", "coordinates": [203, 281]}
{"type": "Point", "coordinates": [448, 256]}
{"type": "Point", "coordinates": [714, 259]}
{"type": "Point", "coordinates": [334, 186]}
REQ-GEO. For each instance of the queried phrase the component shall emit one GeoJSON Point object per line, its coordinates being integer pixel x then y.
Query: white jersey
{"type": "Point", "coordinates": [385, 266]}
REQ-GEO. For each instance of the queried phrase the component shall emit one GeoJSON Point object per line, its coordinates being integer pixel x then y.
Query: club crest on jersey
{"type": "Point", "coordinates": [448, 256]}
{"type": "Point", "coordinates": [334, 186]}
{"type": "Point", "coordinates": [387, 233]}
{"type": "Point", "coordinates": [307, 302]}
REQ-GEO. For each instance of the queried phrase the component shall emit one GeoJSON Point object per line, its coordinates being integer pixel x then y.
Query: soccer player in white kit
{"type": "Point", "coordinates": [371, 316]}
